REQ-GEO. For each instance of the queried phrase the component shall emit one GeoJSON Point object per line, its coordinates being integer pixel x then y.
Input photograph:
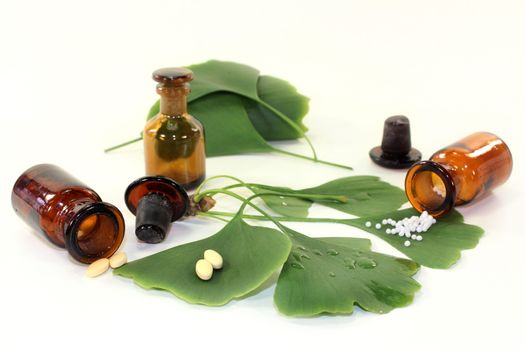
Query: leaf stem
{"type": "Point", "coordinates": [279, 191]}
{"type": "Point", "coordinates": [275, 149]}
{"type": "Point", "coordinates": [247, 201]}
{"type": "Point", "coordinates": [286, 218]}
{"type": "Point", "coordinates": [122, 145]}
{"type": "Point", "coordinates": [211, 215]}
{"type": "Point", "coordinates": [197, 195]}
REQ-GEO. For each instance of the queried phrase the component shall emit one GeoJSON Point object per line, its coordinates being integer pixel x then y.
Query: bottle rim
{"type": "Point", "coordinates": [95, 208]}
{"type": "Point", "coordinates": [450, 188]}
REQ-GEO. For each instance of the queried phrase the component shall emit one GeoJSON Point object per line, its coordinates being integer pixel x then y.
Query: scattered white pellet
{"type": "Point", "coordinates": [214, 258]}
{"type": "Point", "coordinates": [409, 227]}
{"type": "Point", "coordinates": [97, 268]}
{"type": "Point", "coordinates": [204, 269]}
{"type": "Point", "coordinates": [368, 224]}
{"type": "Point", "coordinates": [118, 259]}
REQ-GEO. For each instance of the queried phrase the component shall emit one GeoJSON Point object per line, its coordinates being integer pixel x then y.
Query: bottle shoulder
{"type": "Point", "coordinates": [178, 127]}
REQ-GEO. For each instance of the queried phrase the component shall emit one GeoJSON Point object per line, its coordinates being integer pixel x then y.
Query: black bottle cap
{"type": "Point", "coordinates": [156, 201]}
{"type": "Point", "coordinates": [396, 150]}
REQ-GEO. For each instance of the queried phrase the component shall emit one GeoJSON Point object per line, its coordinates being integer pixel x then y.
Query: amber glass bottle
{"type": "Point", "coordinates": [173, 139]}
{"type": "Point", "coordinates": [458, 174]}
{"type": "Point", "coordinates": [70, 214]}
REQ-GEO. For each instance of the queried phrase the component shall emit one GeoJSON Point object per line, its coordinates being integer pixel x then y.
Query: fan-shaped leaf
{"type": "Point", "coordinates": [251, 254]}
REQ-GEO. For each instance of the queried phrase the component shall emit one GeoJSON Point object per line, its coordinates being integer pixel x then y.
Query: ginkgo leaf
{"type": "Point", "coordinates": [251, 255]}
{"type": "Point", "coordinates": [366, 195]}
{"type": "Point", "coordinates": [441, 245]}
{"type": "Point", "coordinates": [332, 275]}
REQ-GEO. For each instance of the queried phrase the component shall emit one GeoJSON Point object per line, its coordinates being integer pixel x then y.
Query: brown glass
{"type": "Point", "coordinates": [458, 174]}
{"type": "Point", "coordinates": [173, 139]}
{"type": "Point", "coordinates": [70, 214]}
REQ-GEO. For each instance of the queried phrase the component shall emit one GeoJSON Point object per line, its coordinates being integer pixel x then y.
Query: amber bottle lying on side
{"type": "Point", "coordinates": [70, 214]}
{"type": "Point", "coordinates": [458, 174]}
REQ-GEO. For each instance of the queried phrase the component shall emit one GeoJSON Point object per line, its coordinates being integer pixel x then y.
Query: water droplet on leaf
{"type": "Point", "coordinates": [331, 274]}
{"type": "Point", "coordinates": [349, 263]}
{"type": "Point", "coordinates": [297, 266]}
{"type": "Point", "coordinates": [332, 252]}
{"type": "Point", "coordinates": [317, 252]}
{"type": "Point", "coordinates": [366, 263]}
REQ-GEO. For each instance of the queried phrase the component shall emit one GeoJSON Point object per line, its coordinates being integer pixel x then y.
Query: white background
{"type": "Point", "coordinates": [75, 78]}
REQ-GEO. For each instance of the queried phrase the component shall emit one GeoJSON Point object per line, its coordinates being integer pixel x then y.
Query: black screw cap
{"type": "Point", "coordinates": [396, 150]}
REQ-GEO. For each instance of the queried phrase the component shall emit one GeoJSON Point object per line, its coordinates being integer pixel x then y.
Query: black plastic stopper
{"type": "Point", "coordinates": [156, 201]}
{"type": "Point", "coordinates": [154, 214]}
{"type": "Point", "coordinates": [396, 150]}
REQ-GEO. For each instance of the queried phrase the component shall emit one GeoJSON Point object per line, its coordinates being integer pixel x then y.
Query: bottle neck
{"type": "Point", "coordinates": [173, 99]}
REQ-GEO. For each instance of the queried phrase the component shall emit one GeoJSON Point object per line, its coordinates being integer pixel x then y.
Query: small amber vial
{"type": "Point", "coordinates": [458, 174]}
{"type": "Point", "coordinates": [173, 139]}
{"type": "Point", "coordinates": [70, 214]}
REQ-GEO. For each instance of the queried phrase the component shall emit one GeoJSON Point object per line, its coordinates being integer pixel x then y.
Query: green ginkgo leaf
{"type": "Point", "coordinates": [239, 137]}
{"type": "Point", "coordinates": [284, 97]}
{"type": "Point", "coordinates": [366, 195]}
{"type": "Point", "coordinates": [251, 255]}
{"type": "Point", "coordinates": [441, 245]}
{"type": "Point", "coordinates": [332, 275]}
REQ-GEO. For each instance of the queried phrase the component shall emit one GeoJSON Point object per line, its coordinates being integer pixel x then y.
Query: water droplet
{"type": "Point", "coordinates": [366, 263]}
{"type": "Point", "coordinates": [304, 256]}
{"type": "Point", "coordinates": [296, 256]}
{"type": "Point", "coordinates": [349, 263]}
{"type": "Point", "coordinates": [331, 274]}
{"type": "Point", "coordinates": [284, 203]}
{"type": "Point", "coordinates": [300, 247]}
{"type": "Point", "coordinates": [332, 252]}
{"type": "Point", "coordinates": [297, 266]}
{"type": "Point", "coordinates": [282, 197]}
{"type": "Point", "coordinates": [317, 252]}
{"type": "Point", "coordinates": [357, 252]}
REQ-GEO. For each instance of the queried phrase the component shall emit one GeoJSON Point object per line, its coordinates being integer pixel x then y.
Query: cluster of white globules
{"type": "Point", "coordinates": [411, 227]}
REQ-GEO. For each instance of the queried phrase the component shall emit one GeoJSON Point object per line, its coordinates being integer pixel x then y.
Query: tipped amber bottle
{"type": "Point", "coordinates": [70, 214]}
{"type": "Point", "coordinates": [173, 139]}
{"type": "Point", "coordinates": [458, 174]}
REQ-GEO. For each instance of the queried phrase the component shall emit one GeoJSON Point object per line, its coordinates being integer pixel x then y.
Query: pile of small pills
{"type": "Point", "coordinates": [204, 267]}
{"type": "Point", "coordinates": [100, 266]}
{"type": "Point", "coordinates": [411, 227]}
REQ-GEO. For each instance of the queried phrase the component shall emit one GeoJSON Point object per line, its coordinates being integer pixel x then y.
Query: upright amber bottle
{"type": "Point", "coordinates": [173, 139]}
{"type": "Point", "coordinates": [458, 174]}
{"type": "Point", "coordinates": [70, 214]}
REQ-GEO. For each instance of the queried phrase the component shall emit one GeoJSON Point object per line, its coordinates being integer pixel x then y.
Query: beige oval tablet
{"type": "Point", "coordinates": [214, 258]}
{"type": "Point", "coordinates": [118, 259]}
{"type": "Point", "coordinates": [97, 268]}
{"type": "Point", "coordinates": [204, 269]}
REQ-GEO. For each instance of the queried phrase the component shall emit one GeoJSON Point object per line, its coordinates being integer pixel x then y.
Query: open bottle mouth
{"type": "Point", "coordinates": [95, 232]}
{"type": "Point", "coordinates": [430, 187]}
